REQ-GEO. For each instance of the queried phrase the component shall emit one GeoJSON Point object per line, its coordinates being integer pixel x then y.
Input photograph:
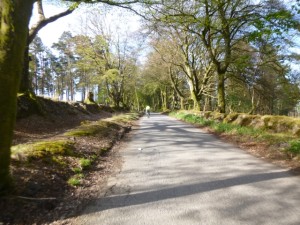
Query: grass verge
{"type": "Point", "coordinates": [284, 142]}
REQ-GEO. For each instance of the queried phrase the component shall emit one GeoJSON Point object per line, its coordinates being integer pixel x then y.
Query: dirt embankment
{"type": "Point", "coordinates": [40, 118]}
{"type": "Point", "coordinates": [60, 151]}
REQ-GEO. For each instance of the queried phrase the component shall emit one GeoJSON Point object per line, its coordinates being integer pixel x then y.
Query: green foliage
{"type": "Point", "coordinates": [103, 128]}
{"type": "Point", "coordinates": [222, 127]}
{"type": "Point", "coordinates": [85, 163]}
{"type": "Point", "coordinates": [112, 75]}
{"type": "Point", "coordinates": [294, 147]}
{"type": "Point", "coordinates": [125, 118]}
{"type": "Point", "coordinates": [77, 170]}
{"type": "Point", "coordinates": [248, 131]}
{"type": "Point", "coordinates": [75, 180]}
{"type": "Point", "coordinates": [59, 160]}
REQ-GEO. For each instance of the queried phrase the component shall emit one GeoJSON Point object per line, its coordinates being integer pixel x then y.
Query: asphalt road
{"type": "Point", "coordinates": [174, 174]}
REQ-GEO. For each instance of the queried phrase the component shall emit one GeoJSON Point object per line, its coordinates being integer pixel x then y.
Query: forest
{"type": "Point", "coordinates": [205, 55]}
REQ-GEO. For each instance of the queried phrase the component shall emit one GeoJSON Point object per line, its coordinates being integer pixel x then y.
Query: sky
{"type": "Point", "coordinates": [52, 32]}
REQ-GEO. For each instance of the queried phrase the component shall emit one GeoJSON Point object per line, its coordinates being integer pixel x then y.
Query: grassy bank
{"type": "Point", "coordinates": [284, 142]}
{"type": "Point", "coordinates": [69, 155]}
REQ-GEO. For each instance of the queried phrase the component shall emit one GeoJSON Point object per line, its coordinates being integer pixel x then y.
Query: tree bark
{"type": "Point", "coordinates": [221, 92]}
{"type": "Point", "coordinates": [26, 83]}
{"type": "Point", "coordinates": [15, 16]}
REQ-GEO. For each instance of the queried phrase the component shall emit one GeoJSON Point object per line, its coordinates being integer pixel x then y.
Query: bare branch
{"type": "Point", "coordinates": [43, 21]}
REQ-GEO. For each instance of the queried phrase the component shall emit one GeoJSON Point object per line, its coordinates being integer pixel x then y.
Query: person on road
{"type": "Point", "coordinates": [148, 111]}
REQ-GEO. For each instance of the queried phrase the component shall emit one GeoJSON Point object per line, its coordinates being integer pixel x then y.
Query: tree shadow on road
{"type": "Point", "coordinates": [125, 199]}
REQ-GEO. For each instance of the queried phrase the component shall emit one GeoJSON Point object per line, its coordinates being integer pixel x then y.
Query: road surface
{"type": "Point", "coordinates": [174, 173]}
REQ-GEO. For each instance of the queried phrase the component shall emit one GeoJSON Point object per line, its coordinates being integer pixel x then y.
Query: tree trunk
{"type": "Point", "coordinates": [221, 92]}
{"type": "Point", "coordinates": [25, 85]}
{"type": "Point", "coordinates": [90, 97]}
{"type": "Point", "coordinates": [196, 101]}
{"type": "Point", "coordinates": [137, 100]}
{"type": "Point", "coordinates": [207, 104]}
{"type": "Point", "coordinates": [15, 16]}
{"type": "Point", "coordinates": [26, 82]}
{"type": "Point", "coordinates": [164, 101]}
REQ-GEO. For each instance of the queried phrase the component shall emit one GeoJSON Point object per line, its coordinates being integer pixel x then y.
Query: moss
{"type": "Point", "coordinates": [218, 116]}
{"type": "Point", "coordinates": [58, 159]}
{"type": "Point", "coordinates": [75, 180]}
{"type": "Point", "coordinates": [85, 130]}
{"type": "Point", "coordinates": [279, 123]}
{"type": "Point", "coordinates": [77, 170]}
{"type": "Point", "coordinates": [207, 114]}
{"type": "Point", "coordinates": [91, 107]}
{"type": "Point", "coordinates": [29, 104]}
{"type": "Point", "coordinates": [124, 118]}
{"type": "Point", "coordinates": [85, 163]}
{"type": "Point", "coordinates": [90, 98]}
{"type": "Point", "coordinates": [85, 122]}
{"type": "Point", "coordinates": [296, 129]}
{"type": "Point", "coordinates": [102, 128]}
{"type": "Point", "coordinates": [89, 102]}
{"type": "Point", "coordinates": [244, 119]}
{"type": "Point", "coordinates": [231, 117]}
{"type": "Point", "coordinates": [15, 16]}
{"type": "Point", "coordinates": [43, 149]}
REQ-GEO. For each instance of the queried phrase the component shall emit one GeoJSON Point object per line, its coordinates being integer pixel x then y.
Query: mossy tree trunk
{"type": "Point", "coordinates": [196, 101]}
{"type": "Point", "coordinates": [137, 99]}
{"type": "Point", "coordinates": [221, 93]}
{"type": "Point", "coordinates": [176, 88]}
{"type": "Point", "coordinates": [181, 103]}
{"type": "Point", "coordinates": [26, 83]}
{"type": "Point", "coordinates": [90, 97]}
{"type": "Point", "coordinates": [15, 16]}
{"type": "Point", "coordinates": [164, 98]}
